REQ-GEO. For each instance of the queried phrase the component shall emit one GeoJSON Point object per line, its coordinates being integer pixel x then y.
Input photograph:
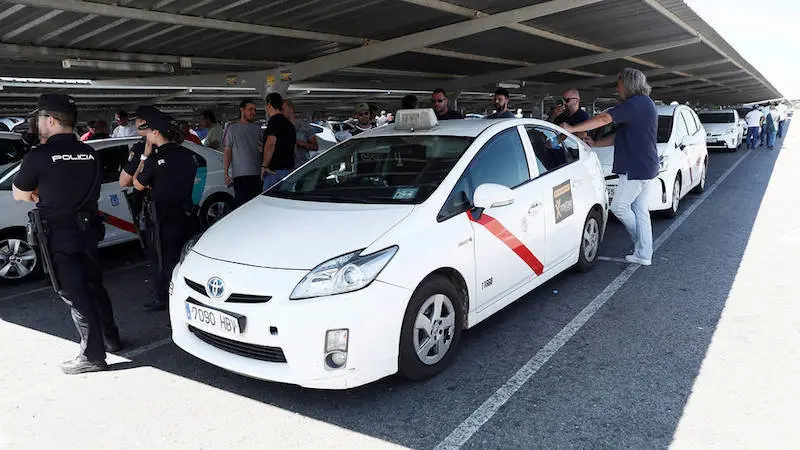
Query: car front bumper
{"type": "Point", "coordinates": [727, 141]}
{"type": "Point", "coordinates": [295, 329]}
{"type": "Point", "coordinates": [658, 192]}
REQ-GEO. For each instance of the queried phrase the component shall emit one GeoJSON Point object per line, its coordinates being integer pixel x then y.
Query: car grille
{"type": "Point", "coordinates": [234, 298]}
{"type": "Point", "coordinates": [259, 352]}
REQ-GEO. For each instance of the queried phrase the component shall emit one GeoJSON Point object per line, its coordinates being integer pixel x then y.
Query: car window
{"type": "Point", "coordinates": [113, 160]}
{"type": "Point", "coordinates": [501, 161]}
{"type": "Point", "coordinates": [724, 117]}
{"type": "Point", "coordinates": [681, 129]}
{"type": "Point", "coordinates": [381, 169]}
{"type": "Point", "coordinates": [553, 150]}
{"type": "Point", "coordinates": [11, 150]}
{"type": "Point", "coordinates": [664, 129]}
{"type": "Point", "coordinates": [691, 124]}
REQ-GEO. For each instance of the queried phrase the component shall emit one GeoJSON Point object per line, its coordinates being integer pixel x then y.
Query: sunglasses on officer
{"type": "Point", "coordinates": [143, 127]}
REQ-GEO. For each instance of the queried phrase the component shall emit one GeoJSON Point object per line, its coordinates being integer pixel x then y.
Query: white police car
{"type": "Point", "coordinates": [374, 256]}
{"type": "Point", "coordinates": [19, 261]}
{"type": "Point", "coordinates": [682, 159]}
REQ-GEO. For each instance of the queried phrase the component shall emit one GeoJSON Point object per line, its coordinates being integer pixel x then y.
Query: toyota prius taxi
{"type": "Point", "coordinates": [372, 258]}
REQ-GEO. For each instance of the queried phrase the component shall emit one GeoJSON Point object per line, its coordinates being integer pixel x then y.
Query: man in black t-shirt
{"type": "Point", "coordinates": [568, 110]}
{"type": "Point", "coordinates": [63, 177]}
{"type": "Point", "coordinates": [442, 107]}
{"type": "Point", "coordinates": [279, 142]}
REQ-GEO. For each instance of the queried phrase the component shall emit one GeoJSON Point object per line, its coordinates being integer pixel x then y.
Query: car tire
{"type": "Point", "coordinates": [701, 187]}
{"type": "Point", "coordinates": [424, 328]}
{"type": "Point", "coordinates": [214, 208]}
{"type": "Point", "coordinates": [676, 198]}
{"type": "Point", "coordinates": [590, 242]}
{"type": "Point", "coordinates": [14, 245]}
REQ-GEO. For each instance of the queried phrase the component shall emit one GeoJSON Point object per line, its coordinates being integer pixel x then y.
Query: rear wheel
{"type": "Point", "coordinates": [19, 261]}
{"type": "Point", "coordinates": [676, 198]}
{"type": "Point", "coordinates": [431, 329]}
{"type": "Point", "coordinates": [590, 242]}
{"type": "Point", "coordinates": [701, 187]}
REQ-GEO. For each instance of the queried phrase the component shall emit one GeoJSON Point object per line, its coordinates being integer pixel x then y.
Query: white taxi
{"type": "Point", "coordinates": [682, 159]}
{"type": "Point", "coordinates": [373, 257]}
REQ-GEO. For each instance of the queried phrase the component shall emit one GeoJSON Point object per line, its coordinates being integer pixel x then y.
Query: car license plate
{"type": "Point", "coordinates": [214, 320]}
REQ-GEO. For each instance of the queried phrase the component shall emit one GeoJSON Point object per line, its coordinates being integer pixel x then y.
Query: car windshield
{"type": "Point", "coordinates": [387, 169]}
{"type": "Point", "coordinates": [717, 117]}
{"type": "Point", "coordinates": [664, 129]}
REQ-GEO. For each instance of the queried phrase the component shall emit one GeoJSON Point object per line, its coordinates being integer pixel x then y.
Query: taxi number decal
{"type": "Point", "coordinates": [562, 201]}
{"type": "Point", "coordinates": [511, 241]}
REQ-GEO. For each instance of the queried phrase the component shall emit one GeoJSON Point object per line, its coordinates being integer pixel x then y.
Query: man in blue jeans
{"type": "Point", "coordinates": [279, 142]}
{"type": "Point", "coordinates": [635, 157]}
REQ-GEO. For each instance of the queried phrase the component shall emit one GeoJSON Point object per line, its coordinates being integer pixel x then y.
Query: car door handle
{"type": "Point", "coordinates": [534, 209]}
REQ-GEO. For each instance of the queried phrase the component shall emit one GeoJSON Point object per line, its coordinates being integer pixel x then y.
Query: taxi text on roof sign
{"type": "Point", "coordinates": [415, 119]}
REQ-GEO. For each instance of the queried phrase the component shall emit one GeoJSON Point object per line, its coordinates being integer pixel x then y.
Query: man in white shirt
{"type": "Point", "coordinates": [783, 111]}
{"type": "Point", "coordinates": [753, 119]}
{"type": "Point", "coordinates": [126, 128]}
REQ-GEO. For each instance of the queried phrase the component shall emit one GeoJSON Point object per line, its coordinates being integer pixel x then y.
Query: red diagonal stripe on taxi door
{"type": "Point", "coordinates": [511, 241]}
{"type": "Point", "coordinates": [119, 223]}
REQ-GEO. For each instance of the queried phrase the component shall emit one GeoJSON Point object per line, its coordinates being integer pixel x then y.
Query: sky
{"type": "Point", "coordinates": [765, 32]}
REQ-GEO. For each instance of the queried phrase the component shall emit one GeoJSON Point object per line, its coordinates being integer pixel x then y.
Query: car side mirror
{"type": "Point", "coordinates": [490, 195]}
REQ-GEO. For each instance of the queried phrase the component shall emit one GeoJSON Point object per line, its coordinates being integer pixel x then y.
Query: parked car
{"type": "Point", "coordinates": [429, 229]}
{"type": "Point", "coordinates": [724, 128]}
{"type": "Point", "coordinates": [682, 159]}
{"type": "Point", "coordinates": [18, 261]}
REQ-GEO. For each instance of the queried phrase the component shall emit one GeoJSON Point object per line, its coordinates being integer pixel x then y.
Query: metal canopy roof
{"type": "Point", "coordinates": [388, 46]}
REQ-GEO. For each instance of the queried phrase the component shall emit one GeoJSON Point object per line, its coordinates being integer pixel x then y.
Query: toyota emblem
{"type": "Point", "coordinates": [215, 287]}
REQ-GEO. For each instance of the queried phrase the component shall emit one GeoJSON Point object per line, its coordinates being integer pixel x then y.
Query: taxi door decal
{"type": "Point", "coordinates": [562, 201]}
{"type": "Point", "coordinates": [511, 241]}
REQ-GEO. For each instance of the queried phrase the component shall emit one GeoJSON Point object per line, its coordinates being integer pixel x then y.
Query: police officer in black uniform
{"type": "Point", "coordinates": [136, 198]}
{"type": "Point", "coordinates": [167, 172]}
{"type": "Point", "coordinates": [63, 177]}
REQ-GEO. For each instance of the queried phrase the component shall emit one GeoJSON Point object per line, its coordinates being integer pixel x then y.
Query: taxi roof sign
{"type": "Point", "coordinates": [415, 119]}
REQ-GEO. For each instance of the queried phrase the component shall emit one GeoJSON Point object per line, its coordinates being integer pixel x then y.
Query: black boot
{"type": "Point", "coordinates": [82, 365]}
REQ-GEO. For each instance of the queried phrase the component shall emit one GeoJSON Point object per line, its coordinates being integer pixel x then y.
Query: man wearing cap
{"type": "Point", "coordinates": [136, 198]}
{"type": "Point", "coordinates": [63, 177]}
{"type": "Point", "coordinates": [364, 119]}
{"type": "Point", "coordinates": [167, 171]}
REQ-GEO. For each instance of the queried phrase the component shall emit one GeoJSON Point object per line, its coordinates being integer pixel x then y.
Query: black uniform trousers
{"type": "Point", "coordinates": [246, 188]}
{"type": "Point", "coordinates": [76, 264]}
{"type": "Point", "coordinates": [175, 229]}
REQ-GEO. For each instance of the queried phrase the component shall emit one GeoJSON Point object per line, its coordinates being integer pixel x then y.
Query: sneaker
{"type": "Point", "coordinates": [636, 260]}
{"type": "Point", "coordinates": [82, 365]}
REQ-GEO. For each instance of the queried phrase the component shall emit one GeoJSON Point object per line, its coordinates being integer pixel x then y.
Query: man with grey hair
{"type": "Point", "coordinates": [635, 157]}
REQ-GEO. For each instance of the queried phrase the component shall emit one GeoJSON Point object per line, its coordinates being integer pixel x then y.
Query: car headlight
{"type": "Point", "coordinates": [346, 273]}
{"type": "Point", "coordinates": [663, 163]}
{"type": "Point", "coordinates": [187, 247]}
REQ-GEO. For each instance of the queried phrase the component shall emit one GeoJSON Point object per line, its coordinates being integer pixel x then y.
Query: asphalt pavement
{"type": "Point", "coordinates": [699, 350]}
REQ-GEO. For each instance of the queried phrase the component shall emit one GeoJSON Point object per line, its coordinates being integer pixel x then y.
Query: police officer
{"type": "Point", "coordinates": [167, 171]}
{"type": "Point", "coordinates": [63, 177]}
{"type": "Point", "coordinates": [136, 198]}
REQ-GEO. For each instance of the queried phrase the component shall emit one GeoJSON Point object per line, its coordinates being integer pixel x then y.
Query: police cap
{"type": "Point", "coordinates": [155, 119]}
{"type": "Point", "coordinates": [56, 103]}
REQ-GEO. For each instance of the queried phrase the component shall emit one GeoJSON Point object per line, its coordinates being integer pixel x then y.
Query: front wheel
{"type": "Point", "coordinates": [590, 242]}
{"type": "Point", "coordinates": [431, 329]}
{"type": "Point", "coordinates": [19, 261]}
{"type": "Point", "coordinates": [676, 198]}
{"type": "Point", "coordinates": [215, 208]}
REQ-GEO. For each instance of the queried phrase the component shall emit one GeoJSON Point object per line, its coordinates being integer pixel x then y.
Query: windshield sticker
{"type": "Point", "coordinates": [405, 194]}
{"type": "Point", "coordinates": [562, 201]}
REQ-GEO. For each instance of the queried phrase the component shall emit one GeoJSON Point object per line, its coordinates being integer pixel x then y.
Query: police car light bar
{"type": "Point", "coordinates": [415, 119]}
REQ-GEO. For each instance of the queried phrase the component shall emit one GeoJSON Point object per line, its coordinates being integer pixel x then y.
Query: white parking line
{"type": "Point", "coordinates": [480, 416]}
{"type": "Point", "coordinates": [145, 348]}
{"type": "Point", "coordinates": [48, 287]}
